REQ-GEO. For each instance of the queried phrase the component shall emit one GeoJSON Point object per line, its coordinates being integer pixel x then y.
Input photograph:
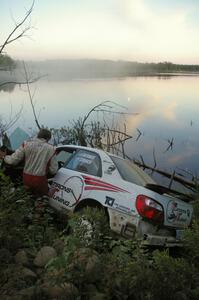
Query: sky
{"type": "Point", "coordinates": [135, 30]}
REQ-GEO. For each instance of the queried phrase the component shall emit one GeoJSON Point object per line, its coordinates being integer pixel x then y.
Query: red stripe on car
{"type": "Point", "coordinates": [96, 188]}
{"type": "Point", "coordinates": [99, 183]}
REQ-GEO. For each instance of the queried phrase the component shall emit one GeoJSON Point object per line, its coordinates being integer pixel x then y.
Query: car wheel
{"type": "Point", "coordinates": [92, 224]}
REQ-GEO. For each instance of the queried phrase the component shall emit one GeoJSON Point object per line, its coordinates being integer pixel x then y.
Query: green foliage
{"type": "Point", "coordinates": [127, 270]}
{"type": "Point", "coordinates": [22, 223]}
{"type": "Point", "coordinates": [171, 275]}
{"type": "Point", "coordinates": [93, 259]}
{"type": "Point", "coordinates": [90, 227]}
{"type": "Point", "coordinates": [191, 239]}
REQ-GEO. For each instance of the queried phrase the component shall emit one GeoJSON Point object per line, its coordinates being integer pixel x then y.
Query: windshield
{"type": "Point", "coordinates": [130, 172]}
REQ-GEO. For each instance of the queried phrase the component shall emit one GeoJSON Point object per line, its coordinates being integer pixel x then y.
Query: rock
{"type": "Point", "coordinates": [93, 268]}
{"type": "Point", "coordinates": [14, 243]}
{"type": "Point", "coordinates": [66, 290]}
{"type": "Point", "coordinates": [5, 256]}
{"type": "Point", "coordinates": [59, 246]}
{"type": "Point", "coordinates": [39, 271]}
{"type": "Point", "coordinates": [93, 293]}
{"type": "Point", "coordinates": [99, 296]}
{"type": "Point", "coordinates": [28, 273]}
{"type": "Point", "coordinates": [89, 262]}
{"type": "Point", "coordinates": [21, 258]}
{"type": "Point", "coordinates": [44, 255]}
{"type": "Point", "coordinates": [28, 276]}
{"type": "Point", "coordinates": [180, 296]}
{"type": "Point", "coordinates": [27, 293]}
{"type": "Point", "coordinates": [32, 292]}
{"type": "Point", "coordinates": [13, 297]}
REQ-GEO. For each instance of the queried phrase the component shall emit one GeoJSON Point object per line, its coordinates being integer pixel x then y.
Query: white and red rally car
{"type": "Point", "coordinates": [135, 204]}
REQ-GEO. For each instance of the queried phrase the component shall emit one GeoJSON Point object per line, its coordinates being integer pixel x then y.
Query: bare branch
{"type": "Point", "coordinates": [6, 126]}
{"type": "Point", "coordinates": [120, 132]}
{"type": "Point", "coordinates": [172, 178]}
{"type": "Point", "coordinates": [170, 144]}
{"type": "Point", "coordinates": [139, 134]}
{"type": "Point", "coordinates": [116, 112]}
{"type": "Point", "coordinates": [100, 108]}
{"type": "Point", "coordinates": [11, 37]}
{"type": "Point", "coordinates": [154, 159]}
{"type": "Point", "coordinates": [187, 183]}
{"type": "Point", "coordinates": [142, 159]}
{"type": "Point", "coordinates": [22, 82]}
{"type": "Point", "coordinates": [31, 96]}
{"type": "Point", "coordinates": [188, 173]}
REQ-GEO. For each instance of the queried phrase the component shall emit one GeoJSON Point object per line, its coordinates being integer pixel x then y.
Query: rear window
{"type": "Point", "coordinates": [86, 162]}
{"type": "Point", "coordinates": [130, 172]}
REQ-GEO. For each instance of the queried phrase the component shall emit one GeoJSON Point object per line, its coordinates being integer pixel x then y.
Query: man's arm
{"type": "Point", "coordinates": [15, 158]}
{"type": "Point", "coordinates": [53, 166]}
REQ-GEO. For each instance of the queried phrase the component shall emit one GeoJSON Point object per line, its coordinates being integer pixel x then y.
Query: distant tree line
{"type": "Point", "coordinates": [6, 63]}
{"type": "Point", "coordinates": [94, 68]}
{"type": "Point", "coordinates": [165, 67]}
{"type": "Point", "coordinates": [88, 68]}
{"type": "Point", "coordinates": [135, 68]}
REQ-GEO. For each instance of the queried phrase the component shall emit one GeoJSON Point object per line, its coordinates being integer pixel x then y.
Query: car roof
{"type": "Point", "coordinates": [99, 151]}
{"type": "Point", "coordinates": [96, 150]}
{"type": "Point", "coordinates": [145, 177]}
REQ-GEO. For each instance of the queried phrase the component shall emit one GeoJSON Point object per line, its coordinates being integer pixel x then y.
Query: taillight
{"type": "Point", "coordinates": [149, 209]}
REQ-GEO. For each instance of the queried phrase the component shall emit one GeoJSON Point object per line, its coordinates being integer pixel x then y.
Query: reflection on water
{"type": "Point", "coordinates": [168, 110]}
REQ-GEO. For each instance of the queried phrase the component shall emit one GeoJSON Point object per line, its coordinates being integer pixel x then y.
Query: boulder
{"type": "Point", "coordinates": [63, 291]}
{"type": "Point", "coordinates": [88, 261]}
{"type": "Point", "coordinates": [59, 246]}
{"type": "Point", "coordinates": [27, 293]}
{"type": "Point", "coordinates": [28, 273]}
{"type": "Point", "coordinates": [44, 255]}
{"type": "Point", "coordinates": [21, 258]}
{"type": "Point", "coordinates": [99, 296]}
{"type": "Point", "coordinates": [5, 256]}
{"type": "Point", "coordinates": [93, 268]}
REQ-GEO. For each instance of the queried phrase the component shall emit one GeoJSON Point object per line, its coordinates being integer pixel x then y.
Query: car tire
{"type": "Point", "coordinates": [92, 224]}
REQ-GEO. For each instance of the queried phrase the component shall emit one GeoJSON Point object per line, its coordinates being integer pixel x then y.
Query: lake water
{"type": "Point", "coordinates": [168, 109]}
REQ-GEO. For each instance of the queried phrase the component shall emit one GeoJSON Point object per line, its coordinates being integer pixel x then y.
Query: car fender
{"type": "Point", "coordinates": [122, 223]}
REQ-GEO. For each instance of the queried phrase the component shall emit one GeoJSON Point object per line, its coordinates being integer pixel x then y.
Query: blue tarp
{"type": "Point", "coordinates": [18, 137]}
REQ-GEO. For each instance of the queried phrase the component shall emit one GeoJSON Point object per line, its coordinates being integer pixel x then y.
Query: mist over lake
{"type": "Point", "coordinates": [167, 109]}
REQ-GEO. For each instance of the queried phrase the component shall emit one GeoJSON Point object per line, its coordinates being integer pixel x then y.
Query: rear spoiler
{"type": "Point", "coordinates": [164, 190]}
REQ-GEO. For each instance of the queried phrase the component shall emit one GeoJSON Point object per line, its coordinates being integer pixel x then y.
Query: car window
{"type": "Point", "coordinates": [63, 155]}
{"type": "Point", "coordinates": [86, 162]}
{"type": "Point", "coordinates": [130, 172]}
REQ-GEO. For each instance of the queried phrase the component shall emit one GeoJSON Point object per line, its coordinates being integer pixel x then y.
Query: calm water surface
{"type": "Point", "coordinates": [168, 108]}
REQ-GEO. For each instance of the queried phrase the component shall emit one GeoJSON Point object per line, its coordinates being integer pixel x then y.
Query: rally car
{"type": "Point", "coordinates": [135, 205]}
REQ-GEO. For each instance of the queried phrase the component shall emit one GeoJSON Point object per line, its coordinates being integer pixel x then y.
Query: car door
{"type": "Point", "coordinates": [68, 186]}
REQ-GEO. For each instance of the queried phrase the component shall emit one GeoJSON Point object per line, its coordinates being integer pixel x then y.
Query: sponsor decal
{"type": "Point", "coordinates": [176, 214]}
{"type": "Point", "coordinates": [69, 193]}
{"type": "Point", "coordinates": [61, 200]}
{"type": "Point", "coordinates": [122, 208]}
{"type": "Point", "coordinates": [109, 201]}
{"type": "Point", "coordinates": [99, 185]}
{"type": "Point", "coordinates": [53, 190]}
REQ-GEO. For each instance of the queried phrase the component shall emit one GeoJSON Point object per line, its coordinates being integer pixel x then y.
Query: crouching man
{"type": "Point", "coordinates": [39, 160]}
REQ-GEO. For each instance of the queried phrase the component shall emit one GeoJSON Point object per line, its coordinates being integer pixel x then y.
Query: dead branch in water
{"type": "Point", "coordinates": [187, 183]}
{"type": "Point", "coordinates": [31, 96]}
{"type": "Point", "coordinates": [30, 80]}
